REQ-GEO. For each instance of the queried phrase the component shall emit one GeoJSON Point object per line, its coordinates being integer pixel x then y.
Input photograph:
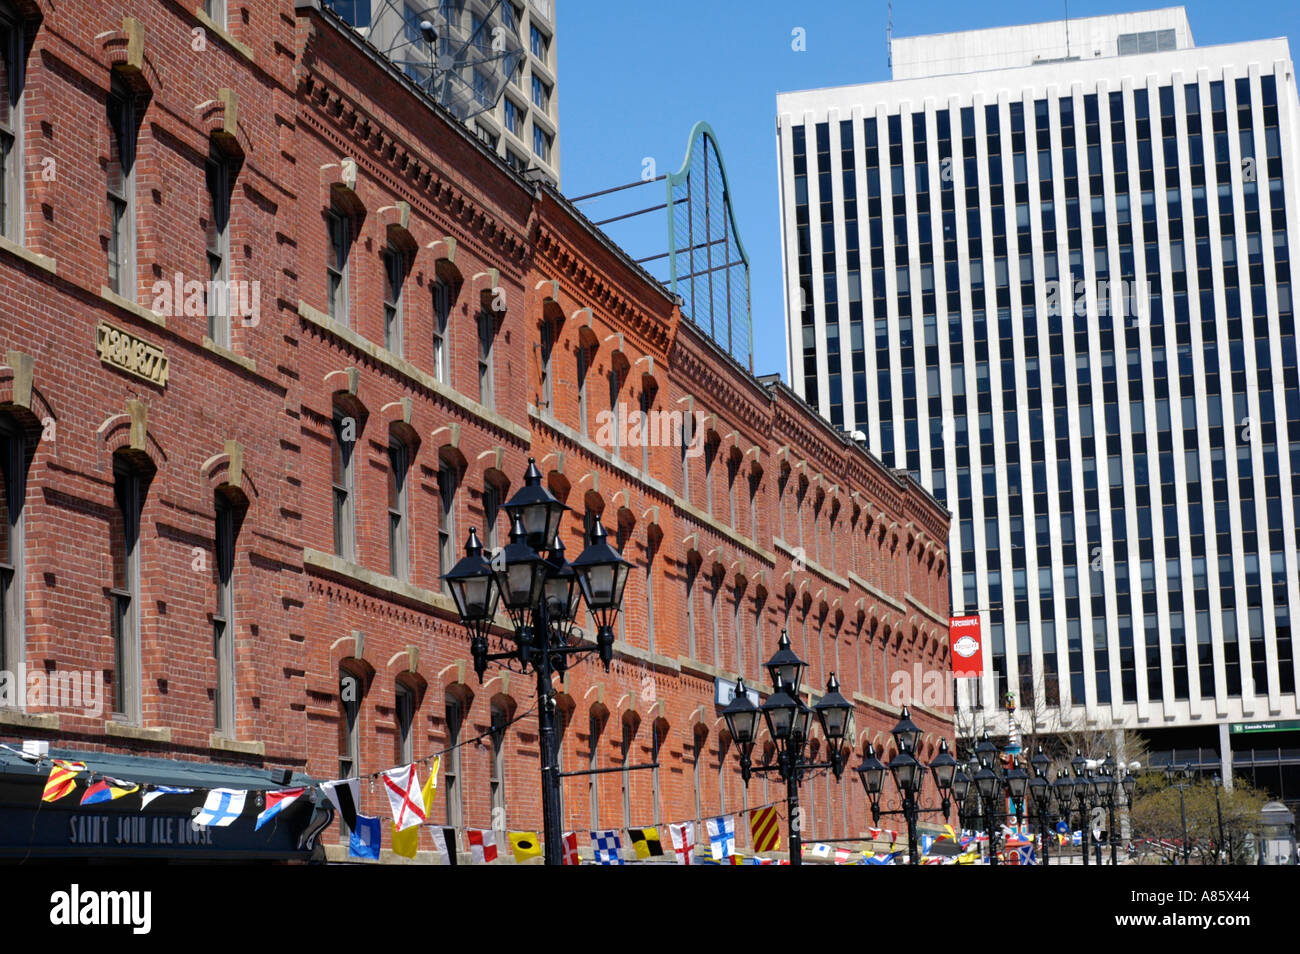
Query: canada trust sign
{"type": "Point", "coordinates": [123, 350]}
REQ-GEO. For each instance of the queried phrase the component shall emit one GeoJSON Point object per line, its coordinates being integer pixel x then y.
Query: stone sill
{"type": "Point", "coordinates": [29, 720]}
{"type": "Point", "coordinates": [223, 744]}
{"type": "Point", "coordinates": [428, 599]}
{"type": "Point", "coordinates": [925, 609]}
{"type": "Point", "coordinates": [409, 371]}
{"type": "Point", "coordinates": [28, 256]}
{"type": "Point", "coordinates": [877, 593]}
{"type": "Point", "coordinates": [645, 480]}
{"type": "Point", "coordinates": [657, 660]}
{"type": "Point", "coordinates": [817, 568]}
{"type": "Point", "coordinates": [140, 733]}
{"type": "Point", "coordinates": [248, 364]}
{"type": "Point", "coordinates": [243, 49]}
{"type": "Point", "coordinates": [125, 304]}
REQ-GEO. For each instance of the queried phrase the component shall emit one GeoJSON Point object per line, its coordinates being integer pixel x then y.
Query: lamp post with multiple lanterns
{"type": "Point", "coordinates": [909, 778]}
{"type": "Point", "coordinates": [540, 593]}
{"type": "Point", "coordinates": [788, 720]}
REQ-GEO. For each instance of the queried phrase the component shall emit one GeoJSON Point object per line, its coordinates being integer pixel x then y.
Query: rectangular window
{"type": "Point", "coordinates": [514, 117]}
{"type": "Point", "coordinates": [399, 554]}
{"type": "Point", "coordinates": [219, 176]}
{"type": "Point", "coordinates": [12, 484]}
{"type": "Point", "coordinates": [11, 127]}
{"type": "Point", "coordinates": [121, 190]}
{"type": "Point", "coordinates": [491, 514]}
{"type": "Point", "coordinates": [336, 266]}
{"type": "Point", "coordinates": [541, 143]}
{"type": "Point", "coordinates": [537, 43]}
{"type": "Point", "coordinates": [125, 592]}
{"type": "Point", "coordinates": [548, 352]}
{"type": "Point", "coordinates": [441, 312]}
{"type": "Point", "coordinates": [451, 764]}
{"type": "Point", "coordinates": [342, 476]}
{"type": "Point", "coordinates": [394, 279]}
{"type": "Point", "coordinates": [541, 94]}
{"type": "Point", "coordinates": [486, 334]}
{"type": "Point", "coordinates": [584, 366]}
{"type": "Point", "coordinates": [593, 761]}
{"type": "Point", "coordinates": [223, 618]}
{"type": "Point", "coordinates": [497, 780]}
{"type": "Point", "coordinates": [404, 697]}
{"type": "Point", "coordinates": [216, 11]}
{"type": "Point", "coordinates": [446, 520]}
{"type": "Point", "coordinates": [349, 734]}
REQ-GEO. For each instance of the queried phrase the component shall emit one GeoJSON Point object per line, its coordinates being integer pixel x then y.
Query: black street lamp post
{"type": "Point", "coordinates": [540, 594]}
{"type": "Point", "coordinates": [1085, 791]}
{"type": "Point", "coordinates": [1179, 774]}
{"type": "Point", "coordinates": [909, 779]}
{"type": "Point", "coordinates": [788, 719]}
{"type": "Point", "coordinates": [1040, 790]}
{"type": "Point", "coordinates": [1218, 810]}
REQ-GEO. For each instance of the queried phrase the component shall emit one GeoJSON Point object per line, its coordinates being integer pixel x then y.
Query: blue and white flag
{"type": "Point", "coordinates": [722, 836]}
{"type": "Point", "coordinates": [277, 802]}
{"type": "Point", "coordinates": [1076, 838]}
{"type": "Point", "coordinates": [606, 847]}
{"type": "Point", "coordinates": [160, 790]}
{"type": "Point", "coordinates": [927, 841]}
{"type": "Point", "coordinates": [886, 859]}
{"type": "Point", "coordinates": [365, 838]}
{"type": "Point", "coordinates": [222, 807]}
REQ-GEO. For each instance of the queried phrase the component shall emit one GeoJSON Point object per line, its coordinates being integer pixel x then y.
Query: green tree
{"type": "Point", "coordinates": [1156, 816]}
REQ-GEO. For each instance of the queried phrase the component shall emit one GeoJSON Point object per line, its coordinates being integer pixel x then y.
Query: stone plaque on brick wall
{"type": "Point", "coordinates": [121, 349]}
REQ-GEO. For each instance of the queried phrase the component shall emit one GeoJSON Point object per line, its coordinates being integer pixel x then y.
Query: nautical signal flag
{"type": "Point", "coordinates": [62, 780]}
{"type": "Point", "coordinates": [444, 839]}
{"type": "Point", "coordinates": [764, 829]}
{"type": "Point", "coordinates": [406, 841]}
{"type": "Point", "coordinates": [646, 842]}
{"type": "Point", "coordinates": [158, 791]}
{"type": "Point", "coordinates": [106, 790]}
{"type": "Point", "coordinates": [365, 838]}
{"type": "Point", "coordinates": [683, 837]}
{"type": "Point", "coordinates": [525, 845]}
{"type": "Point", "coordinates": [570, 843]}
{"type": "Point", "coordinates": [482, 845]}
{"type": "Point", "coordinates": [277, 802]}
{"type": "Point", "coordinates": [722, 836]}
{"type": "Point", "coordinates": [221, 808]}
{"type": "Point", "coordinates": [403, 788]}
{"type": "Point", "coordinates": [606, 847]}
{"type": "Point", "coordinates": [344, 794]}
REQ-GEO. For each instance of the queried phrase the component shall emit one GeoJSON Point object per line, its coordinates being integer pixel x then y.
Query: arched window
{"type": "Point", "coordinates": [230, 508]}
{"type": "Point", "coordinates": [404, 701]}
{"type": "Point", "coordinates": [396, 266]}
{"type": "Point", "coordinates": [399, 468]}
{"type": "Point", "coordinates": [339, 229]}
{"type": "Point", "coordinates": [13, 491]}
{"type": "Point", "coordinates": [13, 49]}
{"type": "Point", "coordinates": [347, 428]}
{"type": "Point", "coordinates": [451, 762]}
{"type": "Point", "coordinates": [351, 689]}
{"type": "Point", "coordinates": [497, 777]}
{"type": "Point", "coordinates": [220, 170]}
{"type": "Point", "coordinates": [130, 481]}
{"type": "Point", "coordinates": [123, 125]}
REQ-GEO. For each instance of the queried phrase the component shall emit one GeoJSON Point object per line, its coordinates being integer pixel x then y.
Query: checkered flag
{"type": "Point", "coordinates": [607, 847]}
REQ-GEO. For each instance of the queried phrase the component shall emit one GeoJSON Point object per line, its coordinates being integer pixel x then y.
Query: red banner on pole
{"type": "Point", "coordinates": [966, 646]}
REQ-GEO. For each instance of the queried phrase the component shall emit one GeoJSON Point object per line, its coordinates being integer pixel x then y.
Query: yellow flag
{"type": "Point", "coordinates": [407, 843]}
{"type": "Point", "coordinates": [525, 845]}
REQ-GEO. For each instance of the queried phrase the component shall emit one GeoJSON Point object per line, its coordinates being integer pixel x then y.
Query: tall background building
{"type": "Point", "coordinates": [492, 63]}
{"type": "Point", "coordinates": [1047, 269]}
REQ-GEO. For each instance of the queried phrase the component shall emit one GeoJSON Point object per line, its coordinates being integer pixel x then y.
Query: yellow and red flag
{"type": "Point", "coordinates": [764, 829]}
{"type": "Point", "coordinates": [62, 780]}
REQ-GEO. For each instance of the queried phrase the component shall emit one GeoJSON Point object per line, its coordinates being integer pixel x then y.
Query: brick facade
{"type": "Point", "coordinates": [839, 550]}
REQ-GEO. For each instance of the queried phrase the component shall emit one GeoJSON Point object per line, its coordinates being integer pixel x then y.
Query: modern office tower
{"type": "Point", "coordinates": [492, 63]}
{"type": "Point", "coordinates": [1047, 269]}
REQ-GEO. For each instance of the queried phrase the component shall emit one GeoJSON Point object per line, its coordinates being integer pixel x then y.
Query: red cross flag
{"type": "Point", "coordinates": [403, 787]}
{"type": "Point", "coordinates": [570, 843]}
{"type": "Point", "coordinates": [683, 836]}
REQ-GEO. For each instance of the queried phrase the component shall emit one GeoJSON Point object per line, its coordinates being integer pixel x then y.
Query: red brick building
{"type": "Point", "coordinates": [235, 512]}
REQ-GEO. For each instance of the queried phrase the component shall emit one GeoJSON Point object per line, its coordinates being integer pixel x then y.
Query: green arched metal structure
{"type": "Point", "coordinates": [708, 266]}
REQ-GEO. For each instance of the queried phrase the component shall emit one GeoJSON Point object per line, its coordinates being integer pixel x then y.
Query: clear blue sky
{"type": "Point", "coordinates": [635, 76]}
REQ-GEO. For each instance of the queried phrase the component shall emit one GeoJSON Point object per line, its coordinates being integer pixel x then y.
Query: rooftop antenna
{"type": "Point", "coordinates": [1067, 29]}
{"type": "Point", "coordinates": [889, 38]}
